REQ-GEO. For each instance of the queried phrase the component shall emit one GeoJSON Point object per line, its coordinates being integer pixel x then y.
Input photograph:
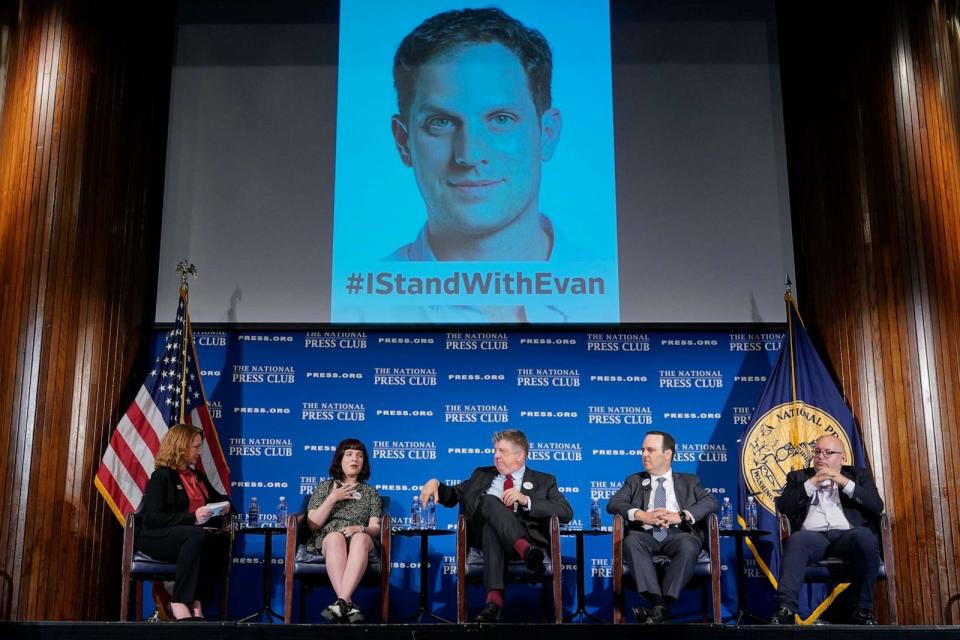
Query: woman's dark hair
{"type": "Point", "coordinates": [336, 469]}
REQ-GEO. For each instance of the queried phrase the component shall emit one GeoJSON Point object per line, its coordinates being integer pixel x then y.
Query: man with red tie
{"type": "Point", "coordinates": [508, 507]}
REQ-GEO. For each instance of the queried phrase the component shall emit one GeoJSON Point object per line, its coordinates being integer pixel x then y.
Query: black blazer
{"type": "Point", "coordinates": [546, 500]}
{"type": "Point", "coordinates": [691, 496]}
{"type": "Point", "coordinates": [165, 503]}
{"type": "Point", "coordinates": [861, 510]}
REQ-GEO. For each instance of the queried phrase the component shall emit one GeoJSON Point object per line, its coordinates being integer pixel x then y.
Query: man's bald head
{"type": "Point", "coordinates": [828, 452]}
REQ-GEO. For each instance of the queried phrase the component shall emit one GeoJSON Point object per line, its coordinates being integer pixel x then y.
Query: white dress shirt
{"type": "Point", "coordinates": [496, 487]}
{"type": "Point", "coordinates": [825, 512]}
{"type": "Point", "coordinates": [672, 504]}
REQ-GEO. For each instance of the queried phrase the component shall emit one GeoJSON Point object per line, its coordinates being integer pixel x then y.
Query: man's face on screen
{"type": "Point", "coordinates": [475, 141]}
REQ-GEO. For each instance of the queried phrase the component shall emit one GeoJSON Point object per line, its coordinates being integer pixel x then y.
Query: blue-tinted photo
{"type": "Point", "coordinates": [474, 176]}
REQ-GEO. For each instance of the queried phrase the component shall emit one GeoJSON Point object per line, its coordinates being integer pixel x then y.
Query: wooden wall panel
{"type": "Point", "coordinates": [872, 116]}
{"type": "Point", "coordinates": [82, 143]}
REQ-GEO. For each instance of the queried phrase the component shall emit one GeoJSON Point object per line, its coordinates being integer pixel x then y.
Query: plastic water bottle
{"type": "Point", "coordinates": [430, 517]}
{"type": "Point", "coordinates": [726, 514]}
{"type": "Point", "coordinates": [253, 513]}
{"type": "Point", "coordinates": [282, 512]}
{"type": "Point", "coordinates": [751, 513]}
{"type": "Point", "coordinates": [595, 522]}
{"type": "Point", "coordinates": [415, 513]}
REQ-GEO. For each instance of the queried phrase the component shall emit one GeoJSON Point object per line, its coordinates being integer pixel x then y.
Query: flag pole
{"type": "Point", "coordinates": [185, 269]}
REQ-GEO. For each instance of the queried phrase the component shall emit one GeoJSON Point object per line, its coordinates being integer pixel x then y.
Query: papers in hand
{"type": "Point", "coordinates": [218, 508]}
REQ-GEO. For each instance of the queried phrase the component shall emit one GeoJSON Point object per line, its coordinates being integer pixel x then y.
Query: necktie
{"type": "Point", "coordinates": [660, 502]}
{"type": "Point", "coordinates": [508, 484]}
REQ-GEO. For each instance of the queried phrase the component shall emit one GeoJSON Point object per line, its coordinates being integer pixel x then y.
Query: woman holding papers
{"type": "Point", "coordinates": [344, 515]}
{"type": "Point", "coordinates": [180, 518]}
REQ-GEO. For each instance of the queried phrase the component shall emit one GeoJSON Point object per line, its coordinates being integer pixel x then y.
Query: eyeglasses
{"type": "Point", "coordinates": [826, 453]}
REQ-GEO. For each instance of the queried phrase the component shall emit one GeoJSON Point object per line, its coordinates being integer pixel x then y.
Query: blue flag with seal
{"type": "Point", "coordinates": [799, 404]}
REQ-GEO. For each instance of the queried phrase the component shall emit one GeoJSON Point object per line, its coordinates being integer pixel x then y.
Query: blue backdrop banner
{"type": "Point", "coordinates": [426, 403]}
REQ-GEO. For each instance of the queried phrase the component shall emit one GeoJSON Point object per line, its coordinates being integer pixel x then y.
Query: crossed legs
{"type": "Point", "coordinates": [201, 558]}
{"type": "Point", "coordinates": [500, 533]}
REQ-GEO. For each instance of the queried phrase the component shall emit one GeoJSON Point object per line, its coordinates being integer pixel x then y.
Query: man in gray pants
{"type": "Point", "coordinates": [665, 514]}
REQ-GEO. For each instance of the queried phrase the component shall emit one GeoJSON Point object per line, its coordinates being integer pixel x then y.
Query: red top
{"type": "Point", "coordinates": [196, 492]}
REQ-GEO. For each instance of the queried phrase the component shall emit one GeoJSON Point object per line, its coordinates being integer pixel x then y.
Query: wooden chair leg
{"type": "Point", "coordinates": [557, 599]}
{"type": "Point", "coordinates": [556, 562]}
{"type": "Point", "coordinates": [713, 530]}
{"type": "Point", "coordinates": [138, 613]}
{"type": "Point", "coordinates": [461, 569]}
{"type": "Point", "coordinates": [617, 554]}
{"type": "Point", "coordinates": [715, 595]}
{"type": "Point", "coordinates": [288, 594]}
{"type": "Point", "coordinates": [125, 598]}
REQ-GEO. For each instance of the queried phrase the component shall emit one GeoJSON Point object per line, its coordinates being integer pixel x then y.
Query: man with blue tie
{"type": "Point", "coordinates": [665, 514]}
{"type": "Point", "coordinates": [508, 507]}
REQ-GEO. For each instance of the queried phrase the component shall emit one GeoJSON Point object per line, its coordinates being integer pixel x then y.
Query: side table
{"type": "Point", "coordinates": [267, 533]}
{"type": "Point", "coordinates": [581, 611]}
{"type": "Point", "coordinates": [740, 535]}
{"type": "Point", "coordinates": [425, 535]}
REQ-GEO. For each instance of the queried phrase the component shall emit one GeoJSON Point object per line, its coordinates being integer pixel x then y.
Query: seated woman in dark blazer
{"type": "Point", "coordinates": [173, 512]}
{"type": "Point", "coordinates": [344, 515]}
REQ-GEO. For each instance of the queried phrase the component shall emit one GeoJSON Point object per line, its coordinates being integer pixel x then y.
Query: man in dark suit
{"type": "Point", "coordinates": [834, 511]}
{"type": "Point", "coordinates": [508, 507]}
{"type": "Point", "coordinates": [665, 514]}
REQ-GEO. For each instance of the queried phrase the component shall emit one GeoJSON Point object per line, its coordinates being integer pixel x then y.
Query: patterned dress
{"type": "Point", "coordinates": [345, 513]}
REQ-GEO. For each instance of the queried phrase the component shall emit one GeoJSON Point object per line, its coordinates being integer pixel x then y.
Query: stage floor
{"type": "Point", "coordinates": [233, 631]}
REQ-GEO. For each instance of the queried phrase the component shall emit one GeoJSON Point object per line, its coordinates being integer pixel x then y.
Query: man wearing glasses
{"type": "Point", "coordinates": [834, 511]}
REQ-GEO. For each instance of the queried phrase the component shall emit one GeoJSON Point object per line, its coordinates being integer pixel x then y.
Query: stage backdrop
{"type": "Point", "coordinates": [426, 403]}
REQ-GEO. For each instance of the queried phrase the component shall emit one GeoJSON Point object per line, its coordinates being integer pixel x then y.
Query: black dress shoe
{"type": "Point", "coordinates": [490, 613]}
{"type": "Point", "coordinates": [658, 614]}
{"type": "Point", "coordinates": [640, 614]}
{"type": "Point", "coordinates": [533, 558]}
{"type": "Point", "coordinates": [783, 616]}
{"type": "Point", "coordinates": [863, 616]}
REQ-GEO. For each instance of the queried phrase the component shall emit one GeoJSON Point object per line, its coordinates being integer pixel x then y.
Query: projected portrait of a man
{"type": "Point", "coordinates": [475, 124]}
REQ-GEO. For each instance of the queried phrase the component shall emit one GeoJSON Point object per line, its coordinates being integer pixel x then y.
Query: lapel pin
{"type": "Point", "coordinates": [645, 483]}
{"type": "Point", "coordinates": [528, 485]}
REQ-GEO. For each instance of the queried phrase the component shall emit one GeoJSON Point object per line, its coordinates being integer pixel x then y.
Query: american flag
{"type": "Point", "coordinates": [173, 383]}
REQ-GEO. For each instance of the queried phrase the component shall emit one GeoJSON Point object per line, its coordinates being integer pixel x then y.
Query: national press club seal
{"type": "Point", "coordinates": [782, 441]}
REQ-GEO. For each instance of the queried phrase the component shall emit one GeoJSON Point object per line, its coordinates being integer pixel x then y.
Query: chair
{"type": "Point", "coordinates": [470, 569]}
{"type": "Point", "coordinates": [706, 573]}
{"type": "Point", "coordinates": [311, 569]}
{"type": "Point", "coordinates": [832, 570]}
{"type": "Point", "coordinates": [138, 567]}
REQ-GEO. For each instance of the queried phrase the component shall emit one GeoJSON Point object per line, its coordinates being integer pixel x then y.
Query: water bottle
{"type": "Point", "coordinates": [282, 512]}
{"type": "Point", "coordinates": [726, 514]}
{"type": "Point", "coordinates": [595, 522]}
{"type": "Point", "coordinates": [415, 513]}
{"type": "Point", "coordinates": [431, 514]}
{"type": "Point", "coordinates": [751, 513]}
{"type": "Point", "coordinates": [253, 513]}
